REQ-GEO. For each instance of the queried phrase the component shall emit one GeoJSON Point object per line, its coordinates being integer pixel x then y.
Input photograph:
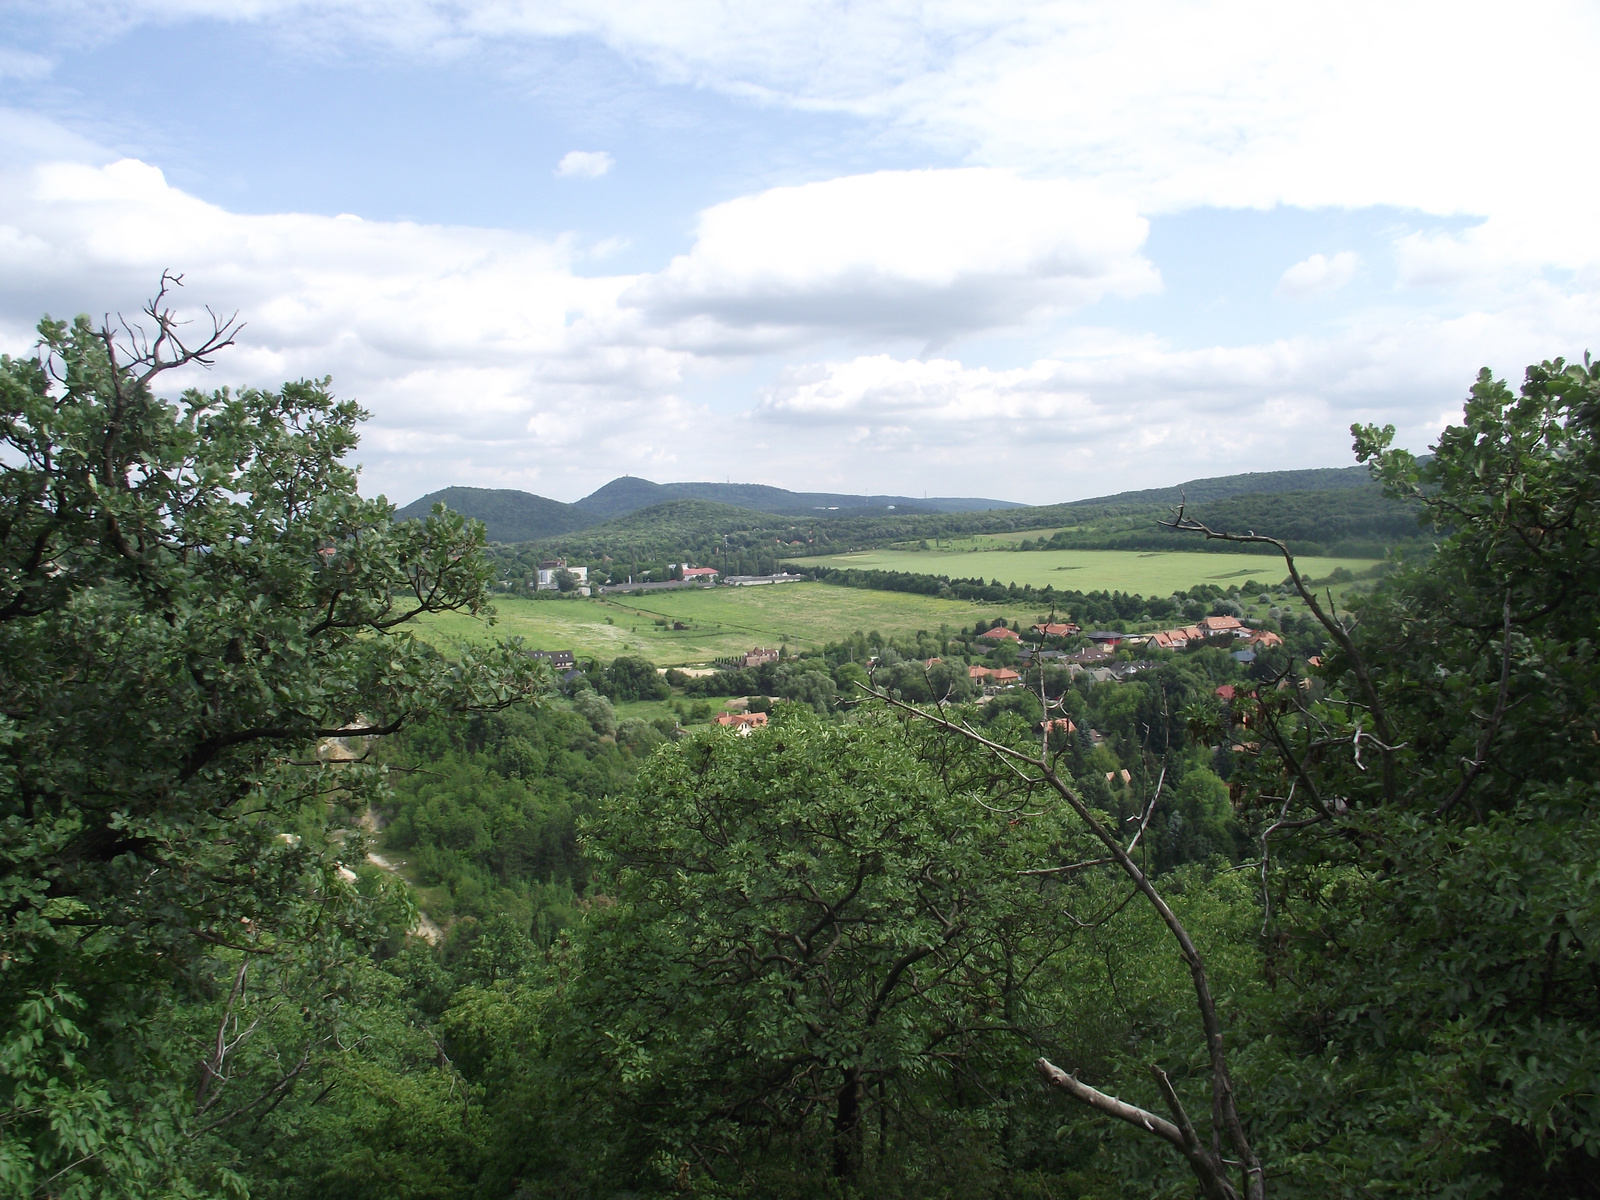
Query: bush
{"type": "Point", "coordinates": [632, 678]}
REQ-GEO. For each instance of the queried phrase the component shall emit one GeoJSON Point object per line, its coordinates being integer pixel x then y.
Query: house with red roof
{"type": "Point", "coordinates": [741, 723]}
{"type": "Point", "coordinates": [705, 574]}
{"type": "Point", "coordinates": [1056, 629]}
{"type": "Point", "coordinates": [1000, 634]}
{"type": "Point", "coordinates": [1212, 626]}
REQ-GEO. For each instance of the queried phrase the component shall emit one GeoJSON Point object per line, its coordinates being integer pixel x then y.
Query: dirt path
{"type": "Point", "coordinates": [426, 927]}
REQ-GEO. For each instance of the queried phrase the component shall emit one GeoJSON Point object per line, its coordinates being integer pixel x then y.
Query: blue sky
{"type": "Point", "coordinates": [1034, 251]}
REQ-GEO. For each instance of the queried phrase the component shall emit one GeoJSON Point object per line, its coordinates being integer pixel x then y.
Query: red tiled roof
{"type": "Point", "coordinates": [752, 720]}
{"type": "Point", "coordinates": [1004, 675]}
{"type": "Point", "coordinates": [1060, 725]}
{"type": "Point", "coordinates": [695, 572]}
{"type": "Point", "coordinates": [999, 632]}
{"type": "Point", "coordinates": [1226, 691]}
{"type": "Point", "coordinates": [1220, 624]}
{"type": "Point", "coordinates": [1055, 630]}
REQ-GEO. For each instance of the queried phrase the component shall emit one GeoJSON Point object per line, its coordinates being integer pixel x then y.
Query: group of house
{"type": "Point", "coordinates": [686, 576]}
{"type": "Point", "coordinates": [1106, 642]}
{"type": "Point", "coordinates": [1210, 627]}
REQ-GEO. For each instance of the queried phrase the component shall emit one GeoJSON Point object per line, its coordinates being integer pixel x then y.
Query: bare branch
{"type": "Point", "coordinates": [1208, 1169]}
{"type": "Point", "coordinates": [1182, 523]}
{"type": "Point", "coordinates": [1110, 1105]}
{"type": "Point", "coordinates": [1221, 1079]}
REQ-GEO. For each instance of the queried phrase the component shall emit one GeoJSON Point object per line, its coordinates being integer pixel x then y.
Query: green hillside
{"type": "Point", "coordinates": [629, 493]}
{"type": "Point", "coordinates": [1315, 479]}
{"type": "Point", "coordinates": [510, 516]}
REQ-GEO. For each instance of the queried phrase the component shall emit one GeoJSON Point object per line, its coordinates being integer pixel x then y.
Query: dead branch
{"type": "Point", "coordinates": [1208, 1169]}
{"type": "Point", "coordinates": [1224, 1103]}
{"type": "Point", "coordinates": [1181, 523]}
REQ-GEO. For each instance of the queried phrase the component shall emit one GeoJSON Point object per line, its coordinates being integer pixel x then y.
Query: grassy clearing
{"type": "Point", "coordinates": [1148, 573]}
{"type": "Point", "coordinates": [721, 621]}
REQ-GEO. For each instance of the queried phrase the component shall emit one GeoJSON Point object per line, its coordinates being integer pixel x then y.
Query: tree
{"type": "Point", "coordinates": [813, 937]}
{"type": "Point", "coordinates": [201, 623]}
{"type": "Point", "coordinates": [631, 677]}
{"type": "Point", "coordinates": [1428, 829]}
{"type": "Point", "coordinates": [1036, 768]}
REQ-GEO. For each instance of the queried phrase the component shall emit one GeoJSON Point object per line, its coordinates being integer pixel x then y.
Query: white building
{"type": "Point", "coordinates": [547, 575]}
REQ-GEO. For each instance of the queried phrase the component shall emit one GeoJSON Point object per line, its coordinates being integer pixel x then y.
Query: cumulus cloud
{"type": "Point", "coordinates": [1319, 273]}
{"type": "Point", "coordinates": [912, 254]}
{"type": "Point", "coordinates": [470, 345]}
{"type": "Point", "coordinates": [584, 164]}
{"type": "Point", "coordinates": [1114, 412]}
{"type": "Point", "coordinates": [486, 358]}
{"type": "Point", "coordinates": [1171, 102]}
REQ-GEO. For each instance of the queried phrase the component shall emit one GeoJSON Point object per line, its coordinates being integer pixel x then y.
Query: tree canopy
{"type": "Point", "coordinates": [201, 622]}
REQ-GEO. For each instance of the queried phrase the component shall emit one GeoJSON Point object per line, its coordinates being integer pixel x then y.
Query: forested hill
{"type": "Point", "coordinates": [630, 494]}
{"type": "Point", "coordinates": [511, 516]}
{"type": "Point", "coordinates": [635, 516]}
{"type": "Point", "coordinates": [1221, 487]}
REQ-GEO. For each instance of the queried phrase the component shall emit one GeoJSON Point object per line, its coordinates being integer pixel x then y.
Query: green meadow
{"type": "Point", "coordinates": [720, 621]}
{"type": "Point", "coordinates": [1149, 573]}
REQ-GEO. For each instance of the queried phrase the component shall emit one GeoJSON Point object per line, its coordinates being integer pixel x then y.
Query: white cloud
{"type": "Point", "coordinates": [901, 254]}
{"type": "Point", "coordinates": [1171, 102]}
{"type": "Point", "coordinates": [469, 345]}
{"type": "Point", "coordinates": [486, 359]}
{"type": "Point", "coordinates": [1317, 274]}
{"type": "Point", "coordinates": [19, 64]}
{"type": "Point", "coordinates": [584, 164]}
{"type": "Point", "coordinates": [1112, 412]}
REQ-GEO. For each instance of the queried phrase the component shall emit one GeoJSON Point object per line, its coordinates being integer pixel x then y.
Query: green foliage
{"type": "Point", "coordinates": [485, 811]}
{"type": "Point", "coordinates": [1438, 946]}
{"type": "Point", "coordinates": [631, 678]}
{"type": "Point", "coordinates": [200, 619]}
{"type": "Point", "coordinates": [810, 942]}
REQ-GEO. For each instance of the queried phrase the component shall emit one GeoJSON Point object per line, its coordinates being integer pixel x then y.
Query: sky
{"type": "Point", "coordinates": [1034, 251]}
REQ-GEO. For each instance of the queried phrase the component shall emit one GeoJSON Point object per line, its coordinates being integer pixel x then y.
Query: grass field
{"type": "Point", "coordinates": [1154, 573]}
{"type": "Point", "coordinates": [721, 621]}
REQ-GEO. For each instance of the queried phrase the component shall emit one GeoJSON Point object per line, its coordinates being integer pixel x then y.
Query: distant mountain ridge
{"type": "Point", "coordinates": [629, 503]}
{"type": "Point", "coordinates": [629, 493]}
{"type": "Point", "coordinates": [1223, 487]}
{"type": "Point", "coordinates": [510, 515]}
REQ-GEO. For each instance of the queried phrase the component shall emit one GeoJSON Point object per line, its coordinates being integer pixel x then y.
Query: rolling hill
{"type": "Point", "coordinates": [629, 493]}
{"type": "Point", "coordinates": [1223, 487]}
{"type": "Point", "coordinates": [511, 516]}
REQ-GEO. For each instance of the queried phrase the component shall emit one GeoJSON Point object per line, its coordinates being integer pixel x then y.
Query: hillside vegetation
{"type": "Point", "coordinates": [510, 516]}
{"type": "Point", "coordinates": [1356, 522]}
{"type": "Point", "coordinates": [630, 493]}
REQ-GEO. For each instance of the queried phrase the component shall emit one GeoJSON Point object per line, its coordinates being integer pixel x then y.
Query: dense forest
{"type": "Point", "coordinates": [1323, 923]}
